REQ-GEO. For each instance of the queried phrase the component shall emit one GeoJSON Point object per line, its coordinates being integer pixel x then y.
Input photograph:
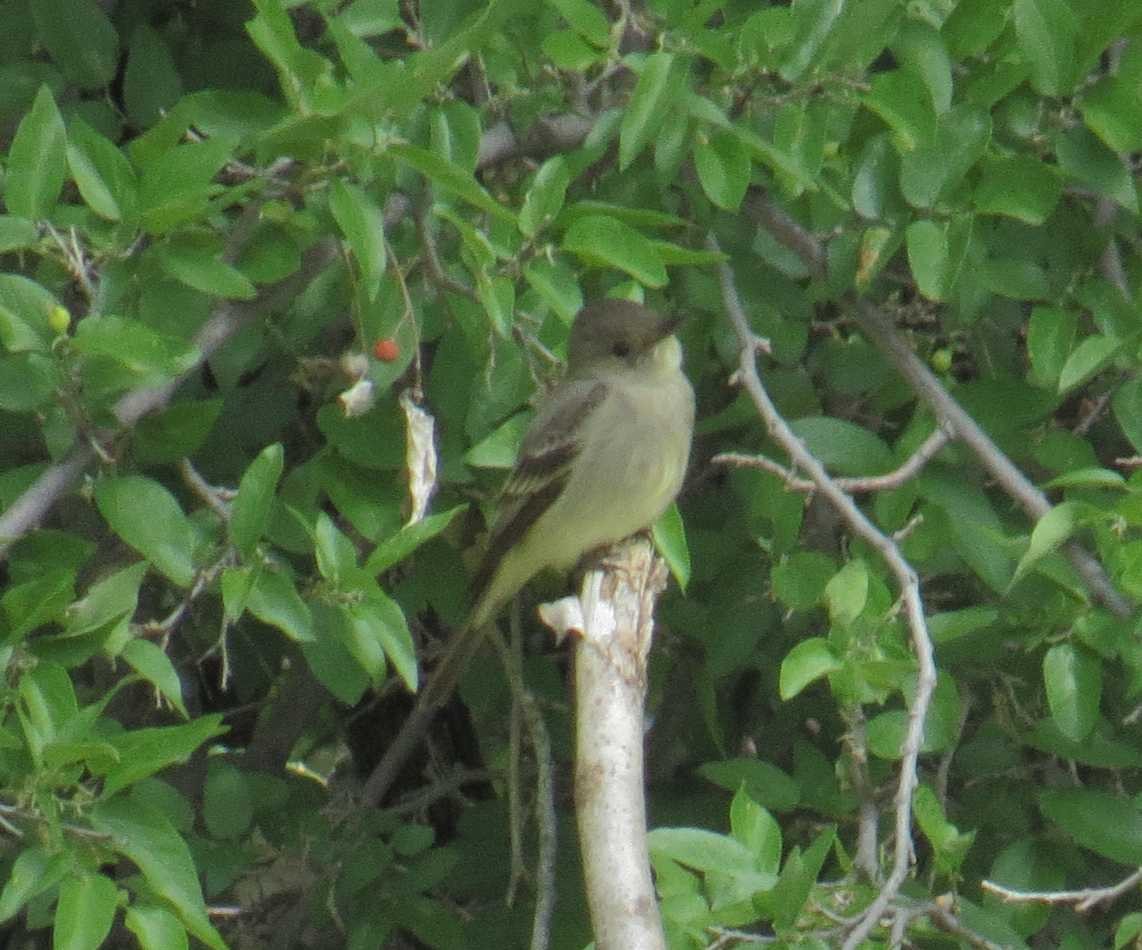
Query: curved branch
{"type": "Point", "coordinates": [906, 579]}
{"type": "Point", "coordinates": [949, 412]}
{"type": "Point", "coordinates": [57, 480]}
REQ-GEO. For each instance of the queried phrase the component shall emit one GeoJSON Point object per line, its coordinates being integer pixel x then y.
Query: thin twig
{"type": "Point", "coordinates": [868, 483]}
{"type": "Point", "coordinates": [868, 823]}
{"type": "Point", "coordinates": [216, 499]}
{"type": "Point", "coordinates": [442, 788]}
{"type": "Point", "coordinates": [57, 480]}
{"type": "Point", "coordinates": [1082, 900]}
{"type": "Point", "coordinates": [545, 817]}
{"type": "Point", "coordinates": [906, 579]}
{"type": "Point", "coordinates": [924, 383]}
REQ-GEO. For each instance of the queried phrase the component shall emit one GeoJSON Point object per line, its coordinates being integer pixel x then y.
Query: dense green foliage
{"type": "Point", "coordinates": [194, 633]}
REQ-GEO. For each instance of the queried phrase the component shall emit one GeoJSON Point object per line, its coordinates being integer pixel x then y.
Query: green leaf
{"type": "Point", "coordinates": [764, 782]}
{"type": "Point", "coordinates": [1055, 527]}
{"type": "Point", "coordinates": [335, 553]}
{"type": "Point", "coordinates": [1087, 160]}
{"type": "Point", "coordinates": [381, 619]}
{"type": "Point", "coordinates": [1112, 110]}
{"type": "Point", "coordinates": [144, 752]}
{"type": "Point", "coordinates": [799, 580]}
{"type": "Point", "coordinates": [920, 48]}
{"type": "Point", "coordinates": [1020, 187]}
{"type": "Point", "coordinates": [27, 381]}
{"type": "Point", "coordinates": [670, 539]}
{"type": "Point", "coordinates": [227, 806]}
{"type": "Point", "coordinates": [932, 170]}
{"type": "Point", "coordinates": [1098, 821]}
{"type": "Point", "coordinates": [874, 193]}
{"type": "Point", "coordinates": [904, 105]}
{"type": "Point", "coordinates": [723, 166]}
{"type": "Point", "coordinates": [607, 242]}
{"type": "Point", "coordinates": [108, 599]}
{"type": "Point", "coordinates": [85, 912]}
{"type": "Point", "coordinates": [567, 50]}
{"type": "Point", "coordinates": [498, 297]}
{"type": "Point", "coordinates": [177, 186]}
{"type": "Point", "coordinates": [34, 871]}
{"type": "Point", "coordinates": [36, 602]}
{"type": "Point", "coordinates": [758, 830]}
{"type": "Point", "coordinates": [16, 233]}
{"type": "Point", "coordinates": [451, 178]}
{"type": "Point", "coordinates": [145, 837]}
{"type": "Point", "coordinates": [80, 38]}
{"type": "Point", "coordinates": [1087, 360]}
{"type": "Point", "coordinates": [544, 199]}
{"type": "Point", "coordinates": [798, 878]}
{"type": "Point", "coordinates": [197, 264]}
{"type": "Point", "coordinates": [813, 21]}
{"type": "Point", "coordinates": [1046, 30]}
{"type": "Point", "coordinates": [395, 549]}
{"type": "Point", "coordinates": [1050, 341]}
{"type": "Point", "coordinates": [330, 659]}
{"type": "Point", "coordinates": [274, 600]}
{"type": "Point", "coordinates": [1073, 677]}
{"type": "Point", "coordinates": [37, 160]}
{"type": "Point", "coordinates": [700, 849]}
{"type": "Point", "coordinates": [842, 446]}
{"type": "Point", "coordinates": [250, 512]}
{"type": "Point", "coordinates": [150, 662]}
{"type": "Point", "coordinates": [806, 663]}
{"type": "Point", "coordinates": [156, 928]}
{"type": "Point", "coordinates": [953, 624]}
{"type": "Point", "coordinates": [24, 310]}
{"type": "Point", "coordinates": [586, 19]}
{"type": "Point", "coordinates": [455, 133]}
{"type": "Point", "coordinates": [1127, 404]}
{"type": "Point", "coordinates": [1087, 478]}
{"type": "Point", "coordinates": [104, 176]}
{"type": "Point", "coordinates": [927, 256]}
{"type": "Point", "coordinates": [557, 285]}
{"type": "Point", "coordinates": [847, 593]}
{"type": "Point", "coordinates": [151, 83]}
{"type": "Point", "coordinates": [177, 431]}
{"type": "Point", "coordinates": [135, 346]}
{"type": "Point", "coordinates": [950, 845]}
{"type": "Point", "coordinates": [147, 517]}
{"type": "Point", "coordinates": [362, 223]}
{"type": "Point", "coordinates": [658, 84]}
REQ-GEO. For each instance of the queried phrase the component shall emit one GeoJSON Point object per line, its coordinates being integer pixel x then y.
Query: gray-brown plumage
{"type": "Point", "coordinates": [603, 458]}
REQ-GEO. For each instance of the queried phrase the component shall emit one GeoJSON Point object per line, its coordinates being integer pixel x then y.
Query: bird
{"type": "Point", "coordinates": [602, 459]}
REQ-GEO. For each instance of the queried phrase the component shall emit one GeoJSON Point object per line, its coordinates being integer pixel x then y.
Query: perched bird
{"type": "Point", "coordinates": [603, 458]}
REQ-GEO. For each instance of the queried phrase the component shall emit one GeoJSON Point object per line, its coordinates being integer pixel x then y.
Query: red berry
{"type": "Point", "coordinates": [386, 349]}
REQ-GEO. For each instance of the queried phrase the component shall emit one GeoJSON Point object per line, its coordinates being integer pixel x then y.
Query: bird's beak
{"type": "Point", "coordinates": [669, 325]}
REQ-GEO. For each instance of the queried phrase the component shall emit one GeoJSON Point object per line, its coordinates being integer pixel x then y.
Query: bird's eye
{"type": "Point", "coordinates": [621, 349]}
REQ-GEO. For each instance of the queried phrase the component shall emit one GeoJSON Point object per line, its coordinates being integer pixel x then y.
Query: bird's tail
{"type": "Point", "coordinates": [437, 691]}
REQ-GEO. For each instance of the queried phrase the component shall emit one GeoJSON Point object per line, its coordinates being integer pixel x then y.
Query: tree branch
{"type": "Point", "coordinates": [1082, 900]}
{"type": "Point", "coordinates": [616, 616]}
{"type": "Point", "coordinates": [894, 479]}
{"type": "Point", "coordinates": [950, 413]}
{"type": "Point", "coordinates": [906, 579]}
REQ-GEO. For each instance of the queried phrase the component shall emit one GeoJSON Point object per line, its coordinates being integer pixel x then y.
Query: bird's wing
{"type": "Point", "coordinates": [546, 455]}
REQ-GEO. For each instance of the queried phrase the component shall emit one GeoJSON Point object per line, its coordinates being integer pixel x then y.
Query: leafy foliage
{"type": "Point", "coordinates": [213, 211]}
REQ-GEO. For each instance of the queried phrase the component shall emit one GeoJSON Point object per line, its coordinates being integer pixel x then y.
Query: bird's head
{"type": "Point", "coordinates": [620, 332]}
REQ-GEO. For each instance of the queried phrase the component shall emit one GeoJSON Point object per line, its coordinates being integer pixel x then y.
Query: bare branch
{"type": "Point", "coordinates": [870, 483]}
{"type": "Point", "coordinates": [1082, 900]}
{"type": "Point", "coordinates": [906, 579]}
{"type": "Point", "coordinates": [950, 413]}
{"type": "Point", "coordinates": [57, 480]}
{"type": "Point", "coordinates": [617, 620]}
